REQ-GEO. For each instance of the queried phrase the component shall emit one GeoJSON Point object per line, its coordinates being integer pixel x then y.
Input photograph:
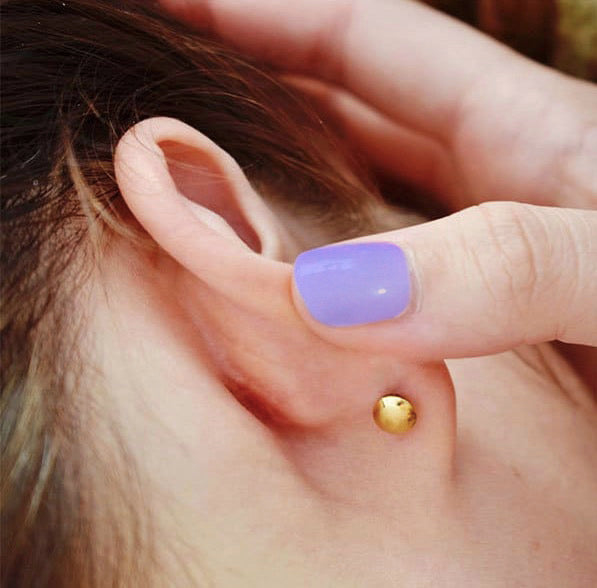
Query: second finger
{"type": "Point", "coordinates": [390, 149]}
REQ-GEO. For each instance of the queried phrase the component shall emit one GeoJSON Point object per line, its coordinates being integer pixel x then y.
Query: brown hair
{"type": "Point", "coordinates": [75, 76]}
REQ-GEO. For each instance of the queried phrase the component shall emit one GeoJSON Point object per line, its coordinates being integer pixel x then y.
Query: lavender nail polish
{"type": "Point", "coordinates": [353, 284]}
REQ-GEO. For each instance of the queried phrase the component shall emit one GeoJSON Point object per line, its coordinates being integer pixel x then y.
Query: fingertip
{"type": "Point", "coordinates": [353, 284]}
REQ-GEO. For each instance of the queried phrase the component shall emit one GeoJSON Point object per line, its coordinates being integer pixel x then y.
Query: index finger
{"type": "Point", "coordinates": [410, 62]}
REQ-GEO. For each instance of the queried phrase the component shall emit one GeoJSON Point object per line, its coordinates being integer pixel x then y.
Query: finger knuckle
{"type": "Point", "coordinates": [517, 245]}
{"type": "Point", "coordinates": [538, 261]}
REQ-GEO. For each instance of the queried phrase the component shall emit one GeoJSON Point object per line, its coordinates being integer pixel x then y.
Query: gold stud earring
{"type": "Point", "coordinates": [394, 414]}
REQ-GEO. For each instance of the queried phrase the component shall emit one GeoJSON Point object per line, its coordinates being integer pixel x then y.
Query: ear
{"type": "Point", "coordinates": [195, 202]}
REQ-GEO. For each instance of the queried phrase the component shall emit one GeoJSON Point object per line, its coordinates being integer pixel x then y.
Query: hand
{"type": "Point", "coordinates": [480, 281]}
{"type": "Point", "coordinates": [448, 107]}
{"type": "Point", "coordinates": [474, 117]}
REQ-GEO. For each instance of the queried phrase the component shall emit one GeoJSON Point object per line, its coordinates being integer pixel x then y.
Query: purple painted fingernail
{"type": "Point", "coordinates": [353, 284]}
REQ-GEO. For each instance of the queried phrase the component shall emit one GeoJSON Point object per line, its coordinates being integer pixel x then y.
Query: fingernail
{"type": "Point", "coordinates": [353, 284]}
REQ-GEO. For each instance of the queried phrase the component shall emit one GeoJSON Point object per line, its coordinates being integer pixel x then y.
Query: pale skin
{"type": "Point", "coordinates": [260, 461]}
{"type": "Point", "coordinates": [252, 427]}
{"type": "Point", "coordinates": [496, 127]}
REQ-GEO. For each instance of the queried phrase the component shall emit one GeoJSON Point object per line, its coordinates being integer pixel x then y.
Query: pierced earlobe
{"type": "Point", "coordinates": [394, 414]}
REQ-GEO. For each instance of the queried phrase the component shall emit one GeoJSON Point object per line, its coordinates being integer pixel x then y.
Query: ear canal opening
{"type": "Point", "coordinates": [201, 181]}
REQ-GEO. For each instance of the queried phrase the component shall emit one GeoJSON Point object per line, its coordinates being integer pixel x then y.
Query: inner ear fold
{"type": "Point", "coordinates": [211, 181]}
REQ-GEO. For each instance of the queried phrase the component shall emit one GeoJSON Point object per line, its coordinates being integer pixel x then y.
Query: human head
{"type": "Point", "coordinates": [177, 419]}
{"type": "Point", "coordinates": [76, 77]}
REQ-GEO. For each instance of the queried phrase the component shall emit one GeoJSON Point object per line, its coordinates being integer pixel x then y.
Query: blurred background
{"type": "Point", "coordinates": [560, 33]}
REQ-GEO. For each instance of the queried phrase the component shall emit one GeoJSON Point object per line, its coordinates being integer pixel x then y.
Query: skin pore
{"type": "Point", "coordinates": [259, 461]}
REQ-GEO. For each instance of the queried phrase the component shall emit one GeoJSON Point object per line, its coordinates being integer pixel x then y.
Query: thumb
{"type": "Point", "coordinates": [480, 281]}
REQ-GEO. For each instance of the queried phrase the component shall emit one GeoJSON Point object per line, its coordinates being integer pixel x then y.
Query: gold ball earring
{"type": "Point", "coordinates": [394, 414]}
